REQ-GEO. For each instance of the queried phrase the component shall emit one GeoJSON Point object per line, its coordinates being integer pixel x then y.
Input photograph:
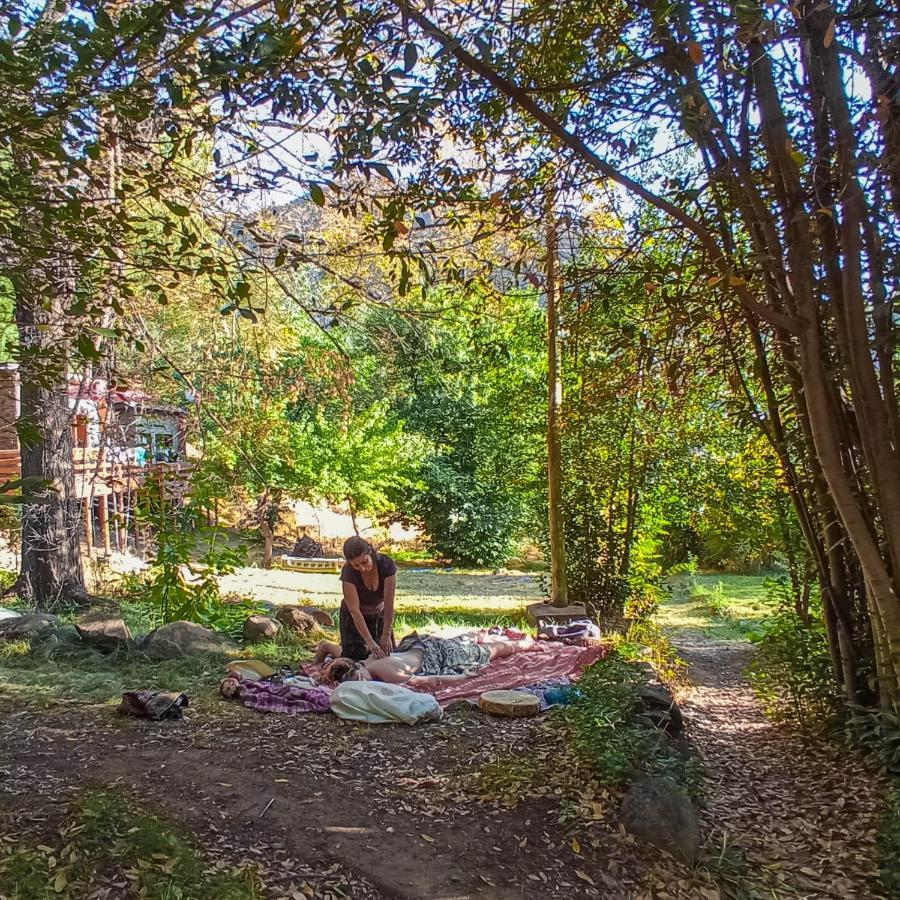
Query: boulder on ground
{"type": "Point", "coordinates": [658, 705]}
{"type": "Point", "coordinates": [303, 619]}
{"type": "Point", "coordinates": [105, 632]}
{"type": "Point", "coordinates": [184, 639]}
{"type": "Point", "coordinates": [28, 626]}
{"type": "Point", "coordinates": [260, 628]}
{"type": "Point", "coordinates": [655, 811]}
{"type": "Point", "coordinates": [8, 614]}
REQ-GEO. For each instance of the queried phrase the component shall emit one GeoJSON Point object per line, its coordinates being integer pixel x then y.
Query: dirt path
{"type": "Point", "coordinates": [383, 811]}
{"type": "Point", "coordinates": [803, 818]}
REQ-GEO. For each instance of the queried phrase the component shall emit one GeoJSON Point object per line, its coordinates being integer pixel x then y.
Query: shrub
{"type": "Point", "coordinates": [791, 670]}
{"type": "Point", "coordinates": [605, 732]}
{"type": "Point", "coordinates": [190, 555]}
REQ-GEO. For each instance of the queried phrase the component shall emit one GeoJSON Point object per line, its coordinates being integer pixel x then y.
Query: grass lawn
{"type": "Point", "coordinates": [425, 597]}
{"type": "Point", "coordinates": [441, 601]}
{"type": "Point", "coordinates": [726, 607]}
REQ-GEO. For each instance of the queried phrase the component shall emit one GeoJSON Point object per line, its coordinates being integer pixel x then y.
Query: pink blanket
{"type": "Point", "coordinates": [548, 660]}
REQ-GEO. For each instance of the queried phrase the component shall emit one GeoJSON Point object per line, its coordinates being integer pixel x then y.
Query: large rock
{"type": "Point", "coordinates": [185, 639]}
{"type": "Point", "coordinates": [303, 619]}
{"type": "Point", "coordinates": [260, 628]}
{"type": "Point", "coordinates": [28, 626]}
{"type": "Point", "coordinates": [105, 632]}
{"type": "Point", "coordinates": [8, 614]}
{"type": "Point", "coordinates": [659, 706]}
{"type": "Point", "coordinates": [655, 811]}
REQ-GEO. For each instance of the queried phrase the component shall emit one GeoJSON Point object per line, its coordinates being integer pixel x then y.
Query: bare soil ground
{"type": "Point", "coordinates": [380, 811]}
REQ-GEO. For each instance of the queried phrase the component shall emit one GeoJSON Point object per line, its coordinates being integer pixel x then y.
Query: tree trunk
{"type": "Point", "coordinates": [268, 541]}
{"type": "Point", "coordinates": [51, 574]}
{"type": "Point", "coordinates": [559, 592]}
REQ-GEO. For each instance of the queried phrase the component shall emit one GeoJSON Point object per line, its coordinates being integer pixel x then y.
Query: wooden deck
{"type": "Point", "coordinates": [97, 476]}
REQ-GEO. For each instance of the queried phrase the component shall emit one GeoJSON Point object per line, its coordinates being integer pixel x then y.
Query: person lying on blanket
{"type": "Point", "coordinates": [422, 660]}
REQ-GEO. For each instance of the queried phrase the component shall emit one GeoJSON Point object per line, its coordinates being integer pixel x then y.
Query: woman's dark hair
{"type": "Point", "coordinates": [357, 546]}
{"type": "Point", "coordinates": [343, 669]}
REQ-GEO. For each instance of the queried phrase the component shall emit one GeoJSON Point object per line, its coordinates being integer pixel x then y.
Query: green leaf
{"type": "Point", "coordinates": [86, 347]}
{"type": "Point", "coordinates": [410, 57]}
{"type": "Point", "coordinates": [316, 194]}
{"type": "Point", "coordinates": [177, 208]}
{"type": "Point", "coordinates": [14, 24]}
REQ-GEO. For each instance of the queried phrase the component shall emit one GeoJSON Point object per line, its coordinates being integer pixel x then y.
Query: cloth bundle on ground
{"type": "Point", "coordinates": [286, 698]}
{"type": "Point", "coordinates": [568, 631]}
{"type": "Point", "coordinates": [153, 704]}
{"type": "Point", "coordinates": [379, 703]}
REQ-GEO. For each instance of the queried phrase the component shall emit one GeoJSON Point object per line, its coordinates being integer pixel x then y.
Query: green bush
{"type": "Point", "coordinates": [467, 521]}
{"type": "Point", "coordinates": [791, 670]}
{"type": "Point", "coordinates": [190, 555]}
{"type": "Point", "coordinates": [604, 731]}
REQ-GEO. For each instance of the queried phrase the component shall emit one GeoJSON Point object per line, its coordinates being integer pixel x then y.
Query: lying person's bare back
{"type": "Point", "coordinates": [423, 659]}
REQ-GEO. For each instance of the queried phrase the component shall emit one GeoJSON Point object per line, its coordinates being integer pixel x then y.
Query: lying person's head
{"type": "Point", "coordinates": [344, 669]}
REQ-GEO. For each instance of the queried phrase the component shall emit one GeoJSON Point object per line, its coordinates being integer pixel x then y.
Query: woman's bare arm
{"type": "Point", "coordinates": [390, 587]}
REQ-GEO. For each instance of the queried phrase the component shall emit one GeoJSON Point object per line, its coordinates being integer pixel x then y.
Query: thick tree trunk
{"type": "Point", "coordinates": [51, 573]}
{"type": "Point", "coordinates": [559, 591]}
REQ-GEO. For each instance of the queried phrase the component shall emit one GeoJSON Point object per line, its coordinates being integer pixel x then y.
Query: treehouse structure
{"type": "Point", "coordinates": [122, 439]}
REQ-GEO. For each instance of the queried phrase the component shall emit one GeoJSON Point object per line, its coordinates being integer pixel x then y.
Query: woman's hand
{"type": "Point", "coordinates": [386, 643]}
{"type": "Point", "coordinates": [376, 651]}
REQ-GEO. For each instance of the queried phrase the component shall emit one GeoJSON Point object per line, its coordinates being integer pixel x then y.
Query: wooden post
{"type": "Point", "coordinates": [88, 524]}
{"type": "Point", "coordinates": [103, 510]}
{"type": "Point", "coordinates": [121, 531]}
{"type": "Point", "coordinates": [558, 584]}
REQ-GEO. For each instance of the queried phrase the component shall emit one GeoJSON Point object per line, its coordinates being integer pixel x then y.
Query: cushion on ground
{"type": "Point", "coordinates": [511, 704]}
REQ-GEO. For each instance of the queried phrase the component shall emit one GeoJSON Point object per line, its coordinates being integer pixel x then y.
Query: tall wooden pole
{"type": "Point", "coordinates": [86, 505]}
{"type": "Point", "coordinates": [559, 592]}
{"type": "Point", "coordinates": [103, 511]}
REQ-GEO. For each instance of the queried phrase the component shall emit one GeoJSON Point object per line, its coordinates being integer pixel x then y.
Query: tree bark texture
{"type": "Point", "coordinates": [51, 573]}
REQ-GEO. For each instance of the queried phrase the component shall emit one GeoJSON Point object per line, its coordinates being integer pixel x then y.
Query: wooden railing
{"type": "Point", "coordinates": [99, 474]}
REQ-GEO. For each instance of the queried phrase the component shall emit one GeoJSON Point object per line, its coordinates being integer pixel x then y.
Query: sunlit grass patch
{"type": "Point", "coordinates": [727, 607]}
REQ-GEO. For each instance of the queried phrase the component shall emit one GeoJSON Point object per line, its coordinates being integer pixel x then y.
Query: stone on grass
{"type": "Point", "coordinates": [105, 632]}
{"type": "Point", "coordinates": [185, 639]}
{"type": "Point", "coordinates": [303, 619]}
{"type": "Point", "coordinates": [8, 614]}
{"type": "Point", "coordinates": [655, 811]}
{"type": "Point", "coordinates": [260, 628]}
{"type": "Point", "coordinates": [30, 625]}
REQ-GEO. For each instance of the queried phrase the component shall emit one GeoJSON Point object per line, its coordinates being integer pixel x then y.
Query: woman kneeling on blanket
{"type": "Point", "coordinates": [421, 660]}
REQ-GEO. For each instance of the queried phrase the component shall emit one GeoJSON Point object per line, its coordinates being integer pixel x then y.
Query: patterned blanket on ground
{"type": "Point", "coordinates": [287, 699]}
{"type": "Point", "coordinates": [545, 662]}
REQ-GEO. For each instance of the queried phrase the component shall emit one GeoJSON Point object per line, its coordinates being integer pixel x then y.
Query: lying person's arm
{"type": "Point", "coordinates": [427, 681]}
